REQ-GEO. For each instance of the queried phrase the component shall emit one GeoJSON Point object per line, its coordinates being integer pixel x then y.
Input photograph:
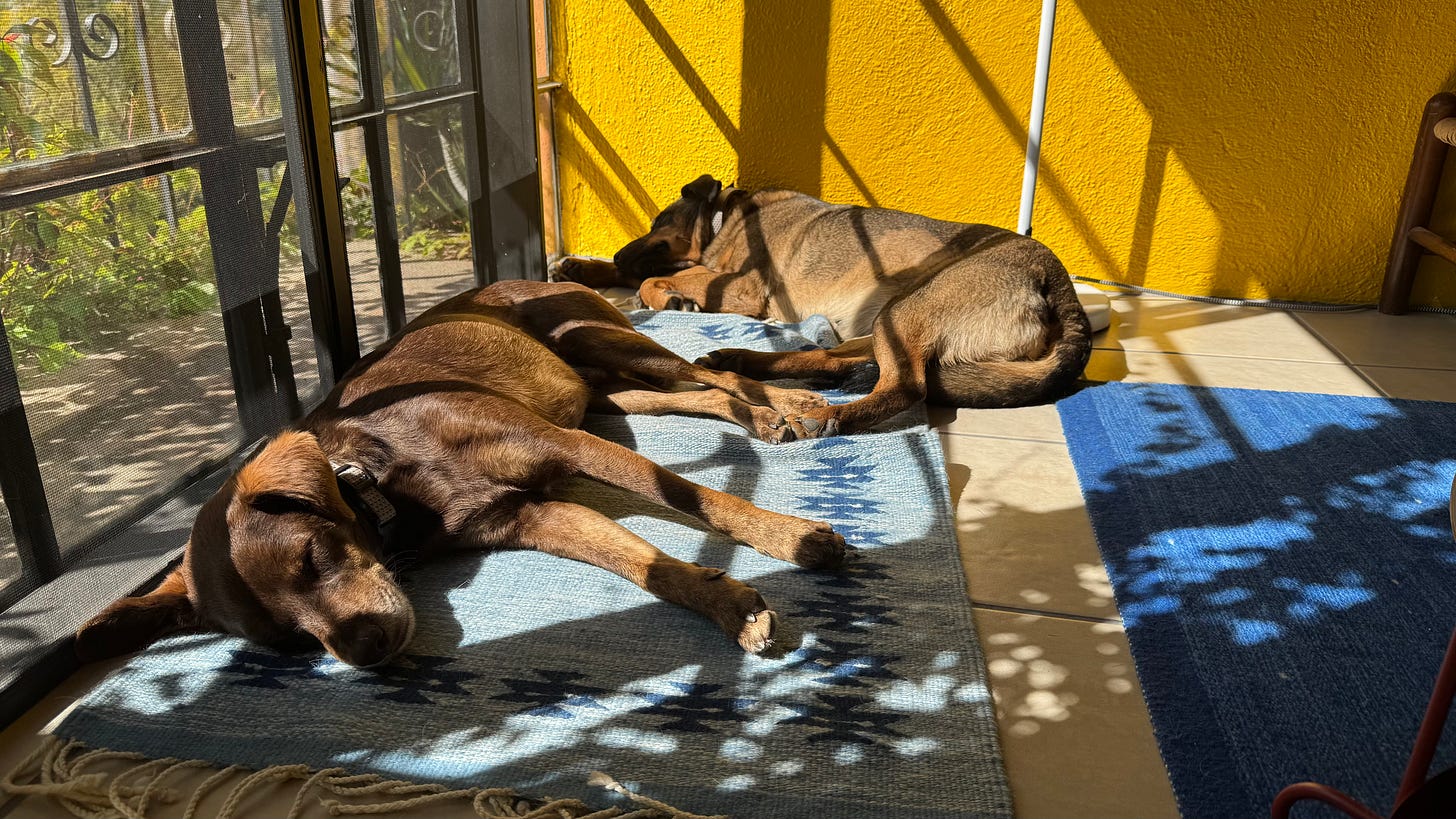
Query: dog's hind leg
{"type": "Point", "coordinates": [901, 351]}
{"type": "Point", "coordinates": [804, 542]}
{"type": "Point", "coordinates": [628, 396]}
{"type": "Point", "coordinates": [576, 532]}
{"type": "Point", "coordinates": [833, 364]}
{"type": "Point", "coordinates": [622, 349]}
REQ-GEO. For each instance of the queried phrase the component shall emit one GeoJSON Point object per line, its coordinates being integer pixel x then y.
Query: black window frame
{"type": "Point", "coordinates": [495, 87]}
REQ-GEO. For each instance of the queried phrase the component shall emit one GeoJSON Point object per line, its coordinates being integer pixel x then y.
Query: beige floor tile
{"type": "Point", "coordinates": [1369, 337]}
{"type": "Point", "coordinates": [1176, 326]}
{"type": "Point", "coordinates": [1423, 385]}
{"type": "Point", "coordinates": [1074, 728]}
{"type": "Point", "coordinates": [1218, 371]}
{"type": "Point", "coordinates": [1039, 423]}
{"type": "Point", "coordinates": [1025, 539]}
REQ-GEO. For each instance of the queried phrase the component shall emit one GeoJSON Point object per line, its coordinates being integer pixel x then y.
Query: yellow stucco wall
{"type": "Point", "coordinates": [1233, 147]}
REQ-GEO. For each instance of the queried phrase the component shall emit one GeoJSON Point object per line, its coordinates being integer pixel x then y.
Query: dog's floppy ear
{"type": "Point", "coordinates": [291, 473]}
{"type": "Point", "coordinates": [133, 623]}
{"type": "Point", "coordinates": [704, 187]}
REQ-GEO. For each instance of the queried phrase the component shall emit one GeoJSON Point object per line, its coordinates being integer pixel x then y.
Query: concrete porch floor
{"type": "Point", "coordinates": [1074, 728]}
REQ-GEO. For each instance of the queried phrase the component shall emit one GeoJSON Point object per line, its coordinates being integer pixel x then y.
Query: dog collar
{"type": "Point", "coordinates": [366, 489]}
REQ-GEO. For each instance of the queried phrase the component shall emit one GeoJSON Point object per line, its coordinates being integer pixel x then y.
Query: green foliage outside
{"type": "Point", "coordinates": [77, 270]}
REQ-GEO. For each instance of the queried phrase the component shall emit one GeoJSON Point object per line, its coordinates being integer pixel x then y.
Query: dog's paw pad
{"type": "Point", "coordinates": [806, 426]}
{"type": "Point", "coordinates": [770, 426]}
{"type": "Point", "coordinates": [757, 631]}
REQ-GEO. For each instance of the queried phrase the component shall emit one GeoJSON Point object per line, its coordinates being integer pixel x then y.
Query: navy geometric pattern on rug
{"type": "Point", "coordinates": [531, 671]}
{"type": "Point", "coordinates": [1284, 566]}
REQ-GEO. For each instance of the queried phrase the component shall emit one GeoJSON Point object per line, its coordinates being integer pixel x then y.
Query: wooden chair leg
{"type": "Point", "coordinates": [1421, 185]}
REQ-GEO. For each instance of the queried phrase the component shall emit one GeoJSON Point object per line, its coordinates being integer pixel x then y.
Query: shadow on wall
{"type": "Point", "coordinates": [1241, 148]}
{"type": "Point", "coordinates": [1294, 124]}
{"type": "Point", "coordinates": [785, 84]}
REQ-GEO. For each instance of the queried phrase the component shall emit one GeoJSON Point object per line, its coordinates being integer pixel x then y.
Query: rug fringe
{"type": "Point", "coordinates": [57, 769]}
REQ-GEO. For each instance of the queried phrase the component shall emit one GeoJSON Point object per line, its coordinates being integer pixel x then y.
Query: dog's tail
{"type": "Point", "coordinates": [1024, 383]}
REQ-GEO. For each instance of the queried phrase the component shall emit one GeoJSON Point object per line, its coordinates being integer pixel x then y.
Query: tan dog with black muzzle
{"type": "Point", "coordinates": [962, 314]}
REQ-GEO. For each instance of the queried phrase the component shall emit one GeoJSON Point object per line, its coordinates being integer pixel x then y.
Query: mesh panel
{"type": "Point", "coordinates": [341, 53]}
{"type": "Point", "coordinates": [9, 557]}
{"type": "Point", "coordinates": [128, 303]}
{"type": "Point", "coordinates": [292, 288]}
{"type": "Point", "coordinates": [86, 88]}
{"type": "Point", "coordinates": [420, 45]}
{"type": "Point", "coordinates": [152, 285]}
{"type": "Point", "coordinates": [358, 201]}
{"type": "Point", "coordinates": [430, 193]}
{"type": "Point", "coordinates": [251, 62]}
{"type": "Point", "coordinates": [128, 386]}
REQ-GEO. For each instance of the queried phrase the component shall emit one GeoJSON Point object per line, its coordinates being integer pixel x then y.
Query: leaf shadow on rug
{"type": "Point", "coordinates": [1284, 566]}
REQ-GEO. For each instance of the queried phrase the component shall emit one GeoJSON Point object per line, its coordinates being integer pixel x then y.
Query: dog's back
{"type": "Point", "coordinates": [995, 311]}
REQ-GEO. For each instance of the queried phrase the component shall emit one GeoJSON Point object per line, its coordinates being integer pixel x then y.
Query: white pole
{"type": "Point", "coordinates": [1038, 110]}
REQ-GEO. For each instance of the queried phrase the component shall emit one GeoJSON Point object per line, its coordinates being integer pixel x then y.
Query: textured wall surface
{"type": "Point", "coordinates": [1233, 147]}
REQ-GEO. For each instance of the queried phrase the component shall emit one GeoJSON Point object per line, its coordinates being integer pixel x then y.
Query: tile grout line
{"type": "Point", "coordinates": [1060, 615]}
{"type": "Point", "coordinates": [1125, 351]}
{"type": "Point", "coordinates": [1331, 347]}
{"type": "Point", "coordinates": [1062, 441]}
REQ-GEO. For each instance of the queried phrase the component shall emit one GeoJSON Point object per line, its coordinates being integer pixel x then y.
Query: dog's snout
{"type": "Point", "coordinates": [365, 642]}
{"type": "Point", "coordinates": [643, 256]}
{"type": "Point", "coordinates": [626, 257]}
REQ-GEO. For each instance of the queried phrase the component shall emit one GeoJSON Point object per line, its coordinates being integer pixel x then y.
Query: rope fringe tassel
{"type": "Point", "coordinates": [57, 770]}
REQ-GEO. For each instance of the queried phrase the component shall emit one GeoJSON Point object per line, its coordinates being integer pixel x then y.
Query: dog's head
{"type": "Point", "coordinates": [677, 238]}
{"type": "Point", "coordinates": [276, 553]}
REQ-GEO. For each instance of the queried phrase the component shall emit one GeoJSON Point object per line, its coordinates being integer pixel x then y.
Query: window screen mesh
{"type": "Point", "coordinates": [155, 288]}
{"type": "Point", "coordinates": [431, 193]}
{"type": "Point", "coordinates": [117, 340]}
{"type": "Point", "coordinates": [127, 294]}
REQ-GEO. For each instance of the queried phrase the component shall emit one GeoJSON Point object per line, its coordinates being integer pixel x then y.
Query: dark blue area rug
{"type": "Point", "coordinates": [530, 672]}
{"type": "Point", "coordinates": [1285, 569]}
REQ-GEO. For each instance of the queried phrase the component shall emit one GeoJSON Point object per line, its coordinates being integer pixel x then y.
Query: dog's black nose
{"type": "Point", "coordinates": [362, 643]}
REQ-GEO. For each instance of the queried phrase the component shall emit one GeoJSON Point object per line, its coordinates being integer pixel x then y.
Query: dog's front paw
{"type": "Point", "coordinates": [738, 609]}
{"type": "Point", "coordinates": [770, 425]}
{"type": "Point", "coordinates": [756, 631]}
{"type": "Point", "coordinates": [590, 272]}
{"type": "Point", "coordinates": [678, 301]}
{"type": "Point", "coordinates": [727, 360]}
{"type": "Point", "coordinates": [794, 402]}
{"type": "Point", "coordinates": [820, 547]}
{"type": "Point", "coordinates": [812, 426]}
{"type": "Point", "coordinates": [806, 543]}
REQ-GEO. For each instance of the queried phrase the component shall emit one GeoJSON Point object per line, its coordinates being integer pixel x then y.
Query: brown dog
{"type": "Point", "coordinates": [966, 315]}
{"type": "Point", "coordinates": [459, 429]}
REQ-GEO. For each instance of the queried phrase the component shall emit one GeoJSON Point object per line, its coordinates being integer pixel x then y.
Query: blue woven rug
{"type": "Point", "coordinates": [529, 671]}
{"type": "Point", "coordinates": [1285, 569]}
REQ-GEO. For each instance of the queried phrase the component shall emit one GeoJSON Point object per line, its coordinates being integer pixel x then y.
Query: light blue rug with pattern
{"type": "Point", "coordinates": [530, 671]}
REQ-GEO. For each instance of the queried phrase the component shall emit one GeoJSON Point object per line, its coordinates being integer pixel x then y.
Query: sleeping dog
{"type": "Point", "coordinates": [962, 314]}
{"type": "Point", "coordinates": [459, 431]}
